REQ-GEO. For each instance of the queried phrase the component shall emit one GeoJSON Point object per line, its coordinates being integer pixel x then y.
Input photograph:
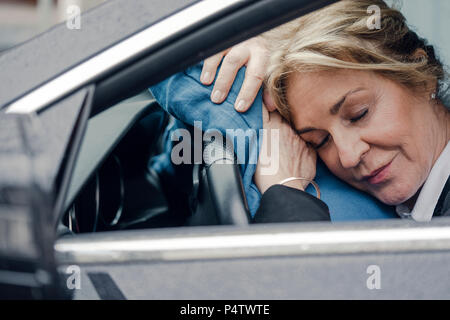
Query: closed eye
{"type": "Point", "coordinates": [324, 141]}
{"type": "Point", "coordinates": [362, 115]}
{"type": "Point", "coordinates": [352, 120]}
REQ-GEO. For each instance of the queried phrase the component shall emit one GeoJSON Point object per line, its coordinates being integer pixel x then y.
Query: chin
{"type": "Point", "coordinates": [391, 200]}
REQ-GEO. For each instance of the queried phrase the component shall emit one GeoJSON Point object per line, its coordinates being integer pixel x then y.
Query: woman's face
{"type": "Point", "coordinates": [370, 132]}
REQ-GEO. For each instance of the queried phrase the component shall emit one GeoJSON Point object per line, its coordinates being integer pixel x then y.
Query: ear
{"type": "Point", "coordinates": [268, 101]}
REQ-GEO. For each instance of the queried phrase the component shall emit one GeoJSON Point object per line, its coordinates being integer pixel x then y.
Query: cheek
{"type": "Point", "coordinates": [386, 128]}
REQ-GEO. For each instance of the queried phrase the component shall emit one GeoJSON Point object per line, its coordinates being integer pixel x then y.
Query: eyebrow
{"type": "Point", "coordinates": [333, 110]}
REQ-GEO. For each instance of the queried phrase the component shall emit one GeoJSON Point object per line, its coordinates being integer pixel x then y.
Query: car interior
{"type": "Point", "coordinates": [113, 187]}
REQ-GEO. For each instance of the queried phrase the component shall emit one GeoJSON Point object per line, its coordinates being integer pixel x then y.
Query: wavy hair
{"type": "Point", "coordinates": [339, 37]}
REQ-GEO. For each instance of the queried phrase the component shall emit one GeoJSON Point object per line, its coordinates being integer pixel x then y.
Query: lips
{"type": "Point", "coordinates": [379, 175]}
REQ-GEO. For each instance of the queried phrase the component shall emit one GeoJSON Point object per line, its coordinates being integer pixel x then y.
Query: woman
{"type": "Point", "coordinates": [369, 102]}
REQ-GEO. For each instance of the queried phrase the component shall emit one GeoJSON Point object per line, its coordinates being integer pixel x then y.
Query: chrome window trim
{"type": "Point", "coordinates": [130, 246]}
{"type": "Point", "coordinates": [119, 53]}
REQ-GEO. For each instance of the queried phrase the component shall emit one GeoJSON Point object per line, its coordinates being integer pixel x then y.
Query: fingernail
{"type": "Point", "coordinates": [216, 98]}
{"type": "Point", "coordinates": [205, 77]}
{"type": "Point", "coordinates": [241, 105]}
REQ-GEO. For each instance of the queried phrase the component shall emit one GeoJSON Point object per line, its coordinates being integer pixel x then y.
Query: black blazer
{"type": "Point", "coordinates": [284, 204]}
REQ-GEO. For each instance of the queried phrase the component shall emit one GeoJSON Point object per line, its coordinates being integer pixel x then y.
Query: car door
{"type": "Point", "coordinates": [285, 261]}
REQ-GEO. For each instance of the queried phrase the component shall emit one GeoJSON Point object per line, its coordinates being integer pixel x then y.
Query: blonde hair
{"type": "Point", "coordinates": [339, 37]}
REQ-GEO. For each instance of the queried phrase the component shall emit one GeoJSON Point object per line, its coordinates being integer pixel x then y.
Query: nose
{"type": "Point", "coordinates": [351, 148]}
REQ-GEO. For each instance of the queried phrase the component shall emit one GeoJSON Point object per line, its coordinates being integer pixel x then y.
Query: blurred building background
{"type": "Point", "coordinates": [23, 19]}
{"type": "Point", "coordinates": [430, 19]}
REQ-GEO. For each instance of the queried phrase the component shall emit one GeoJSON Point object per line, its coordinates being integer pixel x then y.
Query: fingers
{"type": "Point", "coordinates": [252, 53]}
{"type": "Point", "coordinates": [254, 77]}
{"type": "Point", "coordinates": [232, 62]}
{"type": "Point", "coordinates": [210, 68]}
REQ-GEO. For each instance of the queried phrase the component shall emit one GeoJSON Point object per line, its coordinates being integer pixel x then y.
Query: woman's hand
{"type": "Point", "coordinates": [294, 157]}
{"type": "Point", "coordinates": [252, 53]}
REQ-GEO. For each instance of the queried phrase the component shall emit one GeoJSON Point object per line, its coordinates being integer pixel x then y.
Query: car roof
{"type": "Point", "coordinates": [49, 54]}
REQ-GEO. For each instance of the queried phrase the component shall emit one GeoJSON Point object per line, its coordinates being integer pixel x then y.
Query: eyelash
{"type": "Point", "coordinates": [353, 120]}
{"type": "Point", "coordinates": [322, 143]}
{"type": "Point", "coordinates": [362, 115]}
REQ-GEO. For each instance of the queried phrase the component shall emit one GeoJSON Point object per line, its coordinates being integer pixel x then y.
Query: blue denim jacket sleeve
{"type": "Point", "coordinates": [184, 97]}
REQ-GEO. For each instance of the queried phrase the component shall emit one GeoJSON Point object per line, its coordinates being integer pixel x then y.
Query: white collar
{"type": "Point", "coordinates": [431, 190]}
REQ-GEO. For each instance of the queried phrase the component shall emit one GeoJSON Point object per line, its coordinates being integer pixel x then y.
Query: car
{"type": "Point", "coordinates": [82, 216]}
